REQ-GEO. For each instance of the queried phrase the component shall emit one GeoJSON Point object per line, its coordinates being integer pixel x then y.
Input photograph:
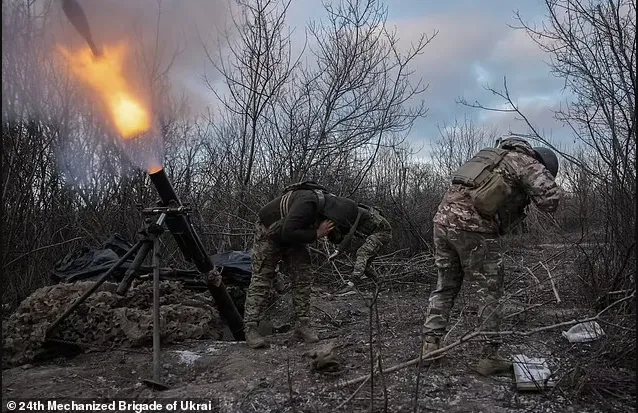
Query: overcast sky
{"type": "Point", "coordinates": [474, 47]}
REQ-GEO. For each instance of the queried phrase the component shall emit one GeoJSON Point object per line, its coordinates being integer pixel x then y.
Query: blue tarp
{"type": "Point", "coordinates": [238, 261]}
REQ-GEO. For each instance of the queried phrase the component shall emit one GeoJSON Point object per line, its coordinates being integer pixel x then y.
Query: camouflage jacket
{"type": "Point", "coordinates": [528, 179]}
{"type": "Point", "coordinates": [372, 222]}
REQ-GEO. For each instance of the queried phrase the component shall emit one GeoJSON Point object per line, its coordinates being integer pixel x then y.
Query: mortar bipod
{"type": "Point", "coordinates": [150, 233]}
{"type": "Point", "coordinates": [150, 240]}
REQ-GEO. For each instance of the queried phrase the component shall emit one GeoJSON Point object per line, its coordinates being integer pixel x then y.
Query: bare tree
{"type": "Point", "coordinates": [458, 142]}
{"type": "Point", "coordinates": [593, 48]}
{"type": "Point", "coordinates": [258, 68]}
{"type": "Point", "coordinates": [408, 191]}
{"type": "Point", "coordinates": [355, 95]}
{"type": "Point", "coordinates": [341, 118]}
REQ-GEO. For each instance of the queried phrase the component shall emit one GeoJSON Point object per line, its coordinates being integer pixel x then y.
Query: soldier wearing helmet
{"type": "Point", "coordinates": [487, 198]}
{"type": "Point", "coordinates": [304, 213]}
{"type": "Point", "coordinates": [376, 232]}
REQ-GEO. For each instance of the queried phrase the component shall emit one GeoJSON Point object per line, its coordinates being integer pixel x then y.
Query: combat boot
{"type": "Point", "coordinates": [304, 331]}
{"type": "Point", "coordinates": [430, 344]}
{"type": "Point", "coordinates": [490, 362]}
{"type": "Point", "coordinates": [490, 366]}
{"type": "Point", "coordinates": [372, 274]}
{"type": "Point", "coordinates": [253, 338]}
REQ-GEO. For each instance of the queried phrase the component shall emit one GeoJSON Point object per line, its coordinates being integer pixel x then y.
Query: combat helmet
{"type": "Point", "coordinates": [548, 158]}
{"type": "Point", "coordinates": [342, 211]}
{"type": "Point", "coordinates": [544, 155]}
{"type": "Point", "coordinates": [346, 214]}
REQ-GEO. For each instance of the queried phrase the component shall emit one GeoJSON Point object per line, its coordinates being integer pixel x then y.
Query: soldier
{"type": "Point", "coordinates": [304, 213]}
{"type": "Point", "coordinates": [375, 230]}
{"type": "Point", "coordinates": [487, 199]}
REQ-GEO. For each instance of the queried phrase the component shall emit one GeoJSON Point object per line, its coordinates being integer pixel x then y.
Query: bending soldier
{"type": "Point", "coordinates": [377, 233]}
{"type": "Point", "coordinates": [304, 213]}
{"type": "Point", "coordinates": [375, 230]}
{"type": "Point", "coordinates": [487, 198]}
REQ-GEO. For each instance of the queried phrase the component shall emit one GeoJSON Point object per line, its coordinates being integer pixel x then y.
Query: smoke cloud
{"type": "Point", "coordinates": [163, 40]}
{"type": "Point", "coordinates": [161, 33]}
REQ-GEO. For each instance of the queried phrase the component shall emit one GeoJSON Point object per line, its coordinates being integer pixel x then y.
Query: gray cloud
{"type": "Point", "coordinates": [471, 51]}
{"type": "Point", "coordinates": [474, 47]}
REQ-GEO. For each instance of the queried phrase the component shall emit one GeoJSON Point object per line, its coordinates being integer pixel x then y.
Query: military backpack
{"type": "Point", "coordinates": [488, 190]}
{"type": "Point", "coordinates": [318, 189]}
{"type": "Point", "coordinates": [284, 203]}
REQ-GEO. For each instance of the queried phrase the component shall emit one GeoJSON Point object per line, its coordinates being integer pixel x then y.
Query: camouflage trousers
{"type": "Point", "coordinates": [266, 254]}
{"type": "Point", "coordinates": [381, 235]}
{"type": "Point", "coordinates": [477, 255]}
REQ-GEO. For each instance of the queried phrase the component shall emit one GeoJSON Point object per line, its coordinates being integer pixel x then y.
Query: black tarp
{"type": "Point", "coordinates": [91, 263]}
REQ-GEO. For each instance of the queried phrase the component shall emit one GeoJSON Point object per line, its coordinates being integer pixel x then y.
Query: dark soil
{"type": "Point", "coordinates": [280, 378]}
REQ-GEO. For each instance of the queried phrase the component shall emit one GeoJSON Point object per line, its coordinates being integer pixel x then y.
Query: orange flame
{"type": "Point", "coordinates": [104, 75]}
{"type": "Point", "coordinates": [154, 169]}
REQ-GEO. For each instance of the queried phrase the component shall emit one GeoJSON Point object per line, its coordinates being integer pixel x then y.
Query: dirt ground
{"type": "Point", "coordinates": [280, 378]}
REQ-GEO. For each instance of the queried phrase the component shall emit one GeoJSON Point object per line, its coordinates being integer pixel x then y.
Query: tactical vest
{"type": "Point", "coordinates": [492, 196]}
{"type": "Point", "coordinates": [488, 190]}
{"type": "Point", "coordinates": [319, 190]}
{"type": "Point", "coordinates": [478, 169]}
{"type": "Point", "coordinates": [284, 203]}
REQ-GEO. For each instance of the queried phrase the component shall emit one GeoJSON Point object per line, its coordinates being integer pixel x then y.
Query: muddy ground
{"type": "Point", "coordinates": [280, 378]}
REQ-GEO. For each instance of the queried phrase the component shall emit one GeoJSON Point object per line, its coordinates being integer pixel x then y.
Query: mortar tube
{"type": "Point", "coordinates": [193, 249]}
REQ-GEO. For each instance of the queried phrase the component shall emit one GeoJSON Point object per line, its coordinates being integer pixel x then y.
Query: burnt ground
{"type": "Point", "coordinates": [280, 378]}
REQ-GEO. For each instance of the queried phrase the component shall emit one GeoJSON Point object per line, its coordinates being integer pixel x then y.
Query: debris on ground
{"type": "Point", "coordinates": [325, 359]}
{"type": "Point", "coordinates": [532, 373]}
{"type": "Point", "coordinates": [584, 332]}
{"type": "Point", "coordinates": [294, 376]}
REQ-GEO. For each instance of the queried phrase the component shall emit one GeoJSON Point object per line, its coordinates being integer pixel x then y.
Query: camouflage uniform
{"type": "Point", "coordinates": [377, 232]}
{"type": "Point", "coordinates": [285, 227]}
{"type": "Point", "coordinates": [265, 257]}
{"type": "Point", "coordinates": [460, 253]}
{"type": "Point", "coordinates": [466, 242]}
